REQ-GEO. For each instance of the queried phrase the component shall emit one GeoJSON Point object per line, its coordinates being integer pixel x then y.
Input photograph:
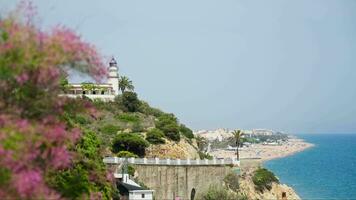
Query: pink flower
{"type": "Point", "coordinates": [21, 79]}
{"type": "Point", "coordinates": [60, 157]}
{"type": "Point", "coordinates": [27, 182]}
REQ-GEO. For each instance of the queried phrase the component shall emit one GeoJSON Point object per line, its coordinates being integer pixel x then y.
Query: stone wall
{"type": "Point", "coordinates": [179, 181]}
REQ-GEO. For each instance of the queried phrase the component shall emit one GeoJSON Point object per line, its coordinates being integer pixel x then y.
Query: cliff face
{"type": "Point", "coordinates": [174, 150]}
{"type": "Point", "coordinates": [277, 192]}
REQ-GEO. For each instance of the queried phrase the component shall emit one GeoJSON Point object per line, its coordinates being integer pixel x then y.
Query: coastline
{"type": "Point", "coordinates": [267, 152]}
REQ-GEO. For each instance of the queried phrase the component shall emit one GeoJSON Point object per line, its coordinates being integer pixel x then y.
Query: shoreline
{"type": "Point", "coordinates": [267, 152]}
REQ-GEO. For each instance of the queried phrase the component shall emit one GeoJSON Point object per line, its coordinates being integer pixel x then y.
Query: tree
{"type": "Point", "coordinates": [36, 143]}
{"type": "Point", "coordinates": [237, 135]}
{"type": "Point", "coordinates": [168, 124]}
{"type": "Point", "coordinates": [155, 136]}
{"type": "Point", "coordinates": [130, 101]}
{"type": "Point", "coordinates": [131, 142]}
{"type": "Point", "coordinates": [186, 131]}
{"type": "Point", "coordinates": [201, 142]}
{"type": "Point", "coordinates": [125, 84]}
{"type": "Point", "coordinates": [263, 179]}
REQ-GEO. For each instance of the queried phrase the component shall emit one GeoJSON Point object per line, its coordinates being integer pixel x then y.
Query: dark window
{"type": "Point", "coordinates": [143, 196]}
{"type": "Point", "coordinates": [103, 92]}
{"type": "Point", "coordinates": [83, 92]}
{"type": "Point", "coordinates": [94, 92]}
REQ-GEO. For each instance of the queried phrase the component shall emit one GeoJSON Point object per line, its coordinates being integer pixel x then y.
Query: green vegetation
{"type": "Point", "coordinates": [126, 154]}
{"type": "Point", "coordinates": [237, 135]}
{"type": "Point", "coordinates": [110, 129]}
{"type": "Point", "coordinates": [128, 117]}
{"type": "Point", "coordinates": [263, 179]}
{"type": "Point", "coordinates": [148, 110]}
{"type": "Point", "coordinates": [155, 136]}
{"type": "Point", "coordinates": [168, 124]}
{"type": "Point", "coordinates": [125, 84]}
{"type": "Point", "coordinates": [186, 131]}
{"type": "Point", "coordinates": [232, 181]}
{"type": "Point", "coordinates": [76, 181]}
{"type": "Point", "coordinates": [203, 155]}
{"type": "Point", "coordinates": [131, 170]}
{"type": "Point", "coordinates": [131, 142]}
{"type": "Point", "coordinates": [219, 192]}
{"type": "Point", "coordinates": [129, 102]}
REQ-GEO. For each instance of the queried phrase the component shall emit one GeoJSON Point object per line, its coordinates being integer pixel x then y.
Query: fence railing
{"type": "Point", "coordinates": [157, 161]}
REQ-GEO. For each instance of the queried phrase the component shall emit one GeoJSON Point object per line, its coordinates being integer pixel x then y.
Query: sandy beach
{"type": "Point", "coordinates": [266, 152]}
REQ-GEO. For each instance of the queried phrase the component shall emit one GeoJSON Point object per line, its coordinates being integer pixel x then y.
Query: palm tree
{"type": "Point", "coordinates": [237, 135]}
{"type": "Point", "coordinates": [125, 83]}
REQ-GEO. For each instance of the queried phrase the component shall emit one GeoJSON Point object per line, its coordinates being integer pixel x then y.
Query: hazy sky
{"type": "Point", "coordinates": [279, 64]}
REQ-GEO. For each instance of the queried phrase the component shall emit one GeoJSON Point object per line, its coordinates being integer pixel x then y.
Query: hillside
{"type": "Point", "coordinates": [136, 123]}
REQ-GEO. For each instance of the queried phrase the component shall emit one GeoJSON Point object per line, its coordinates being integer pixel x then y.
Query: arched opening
{"type": "Point", "coordinates": [192, 194]}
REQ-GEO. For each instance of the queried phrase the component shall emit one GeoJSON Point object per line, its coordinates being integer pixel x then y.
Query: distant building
{"type": "Point", "coordinates": [104, 91]}
{"type": "Point", "coordinates": [262, 132]}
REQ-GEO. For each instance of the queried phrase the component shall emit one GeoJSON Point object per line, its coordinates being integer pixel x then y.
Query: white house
{"type": "Point", "coordinates": [130, 190]}
{"type": "Point", "coordinates": [104, 91]}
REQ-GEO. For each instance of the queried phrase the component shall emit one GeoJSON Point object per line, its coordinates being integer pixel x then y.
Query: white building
{"type": "Point", "coordinates": [130, 190]}
{"type": "Point", "coordinates": [104, 91]}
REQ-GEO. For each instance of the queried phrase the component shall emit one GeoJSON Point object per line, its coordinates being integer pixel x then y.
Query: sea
{"type": "Point", "coordinates": [325, 171]}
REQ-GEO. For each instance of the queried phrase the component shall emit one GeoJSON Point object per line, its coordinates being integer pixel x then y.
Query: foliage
{"type": "Point", "coordinates": [168, 124]}
{"type": "Point", "coordinates": [126, 154]}
{"type": "Point", "coordinates": [131, 170]}
{"type": "Point", "coordinates": [37, 136]}
{"type": "Point", "coordinates": [203, 155]}
{"type": "Point", "coordinates": [155, 136]}
{"type": "Point", "coordinates": [237, 136]}
{"type": "Point", "coordinates": [186, 131]}
{"type": "Point", "coordinates": [232, 181]}
{"type": "Point", "coordinates": [263, 179]}
{"type": "Point", "coordinates": [137, 127]}
{"type": "Point", "coordinates": [201, 142]}
{"type": "Point", "coordinates": [127, 117]}
{"type": "Point", "coordinates": [110, 129]}
{"type": "Point", "coordinates": [129, 102]}
{"type": "Point", "coordinates": [125, 83]}
{"type": "Point", "coordinates": [219, 192]}
{"type": "Point", "coordinates": [131, 142]}
{"type": "Point", "coordinates": [146, 109]}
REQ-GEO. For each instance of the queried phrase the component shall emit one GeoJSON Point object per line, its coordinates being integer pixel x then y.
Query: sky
{"type": "Point", "coordinates": [277, 64]}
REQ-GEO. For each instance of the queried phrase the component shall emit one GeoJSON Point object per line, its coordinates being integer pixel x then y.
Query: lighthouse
{"type": "Point", "coordinates": [113, 77]}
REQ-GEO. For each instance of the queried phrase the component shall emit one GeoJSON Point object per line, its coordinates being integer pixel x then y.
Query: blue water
{"type": "Point", "coordinates": [326, 171]}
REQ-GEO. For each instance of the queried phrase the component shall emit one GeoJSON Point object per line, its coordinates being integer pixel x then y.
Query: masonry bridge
{"type": "Point", "coordinates": [172, 178]}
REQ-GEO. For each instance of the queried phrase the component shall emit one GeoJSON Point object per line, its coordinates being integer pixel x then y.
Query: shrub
{"type": "Point", "coordinates": [263, 179]}
{"type": "Point", "coordinates": [186, 131]}
{"type": "Point", "coordinates": [110, 129]}
{"type": "Point", "coordinates": [203, 155]}
{"type": "Point", "coordinates": [38, 144]}
{"type": "Point", "coordinates": [168, 124]}
{"type": "Point", "coordinates": [155, 136]}
{"type": "Point", "coordinates": [126, 154]}
{"type": "Point", "coordinates": [145, 108]}
{"type": "Point", "coordinates": [127, 117]}
{"type": "Point", "coordinates": [81, 120]}
{"type": "Point", "coordinates": [131, 170]}
{"type": "Point", "coordinates": [232, 181]}
{"type": "Point", "coordinates": [129, 101]}
{"type": "Point", "coordinates": [219, 192]}
{"type": "Point", "coordinates": [137, 127]}
{"type": "Point", "coordinates": [132, 142]}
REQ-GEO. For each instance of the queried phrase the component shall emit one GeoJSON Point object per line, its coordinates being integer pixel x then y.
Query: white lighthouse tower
{"type": "Point", "coordinates": [113, 77]}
